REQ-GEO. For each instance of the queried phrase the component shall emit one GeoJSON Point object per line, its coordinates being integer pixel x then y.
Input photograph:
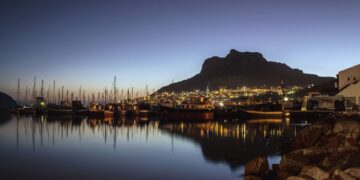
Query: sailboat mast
{"type": "Point", "coordinates": [42, 89]}
{"type": "Point", "coordinates": [67, 95]}
{"type": "Point", "coordinates": [25, 97]}
{"type": "Point", "coordinates": [132, 92]}
{"type": "Point", "coordinates": [18, 91]}
{"type": "Point", "coordinates": [115, 89]}
{"type": "Point", "coordinates": [62, 93]}
{"type": "Point", "coordinates": [105, 96]}
{"type": "Point", "coordinates": [54, 93]}
{"type": "Point", "coordinates": [34, 91]}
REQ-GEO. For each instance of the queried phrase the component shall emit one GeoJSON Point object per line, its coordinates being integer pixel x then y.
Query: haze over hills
{"type": "Point", "coordinates": [239, 69]}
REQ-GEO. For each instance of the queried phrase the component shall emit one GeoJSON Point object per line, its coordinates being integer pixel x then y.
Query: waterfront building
{"type": "Point", "coordinates": [349, 85]}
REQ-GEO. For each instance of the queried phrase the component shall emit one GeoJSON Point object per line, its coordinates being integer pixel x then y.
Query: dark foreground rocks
{"type": "Point", "coordinates": [325, 150]}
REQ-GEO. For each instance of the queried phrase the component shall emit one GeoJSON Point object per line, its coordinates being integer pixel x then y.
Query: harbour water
{"type": "Point", "coordinates": [69, 147]}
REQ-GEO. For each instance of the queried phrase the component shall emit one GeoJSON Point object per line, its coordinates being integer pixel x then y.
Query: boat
{"type": "Point", "coordinates": [120, 109]}
{"type": "Point", "coordinates": [96, 110]}
{"type": "Point", "coordinates": [25, 110]}
{"type": "Point", "coordinates": [78, 108]}
{"type": "Point", "coordinates": [263, 114]}
{"type": "Point", "coordinates": [138, 109]}
{"type": "Point", "coordinates": [64, 108]}
{"type": "Point", "coordinates": [101, 111]}
{"type": "Point", "coordinates": [144, 109]}
{"type": "Point", "coordinates": [266, 110]}
{"type": "Point", "coordinates": [40, 106]}
{"type": "Point", "coordinates": [109, 110]}
{"type": "Point", "coordinates": [192, 108]}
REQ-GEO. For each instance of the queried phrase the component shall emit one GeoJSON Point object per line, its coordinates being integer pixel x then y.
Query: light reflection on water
{"type": "Point", "coordinates": [73, 147]}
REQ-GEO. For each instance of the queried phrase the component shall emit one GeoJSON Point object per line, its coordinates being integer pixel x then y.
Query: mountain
{"type": "Point", "coordinates": [6, 102]}
{"type": "Point", "coordinates": [244, 69]}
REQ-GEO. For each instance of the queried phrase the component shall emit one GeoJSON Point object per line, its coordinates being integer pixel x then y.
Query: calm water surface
{"type": "Point", "coordinates": [148, 148]}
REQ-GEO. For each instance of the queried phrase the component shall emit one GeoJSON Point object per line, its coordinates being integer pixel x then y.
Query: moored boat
{"type": "Point", "coordinates": [64, 108]}
{"type": "Point", "coordinates": [40, 106]}
{"type": "Point", "coordinates": [192, 108]}
{"type": "Point", "coordinates": [263, 114]}
{"type": "Point", "coordinates": [78, 108]}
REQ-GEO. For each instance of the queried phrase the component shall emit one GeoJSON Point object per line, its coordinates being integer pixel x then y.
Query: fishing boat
{"type": "Point", "coordinates": [132, 109]}
{"type": "Point", "coordinates": [64, 108]}
{"type": "Point", "coordinates": [144, 109]}
{"type": "Point", "coordinates": [120, 109]}
{"type": "Point", "coordinates": [266, 110]}
{"type": "Point", "coordinates": [109, 110]}
{"type": "Point", "coordinates": [263, 114]}
{"type": "Point", "coordinates": [101, 111]}
{"type": "Point", "coordinates": [78, 108]}
{"type": "Point", "coordinates": [192, 108]}
{"type": "Point", "coordinates": [96, 110]}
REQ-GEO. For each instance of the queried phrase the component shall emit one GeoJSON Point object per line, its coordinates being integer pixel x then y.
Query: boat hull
{"type": "Point", "coordinates": [180, 114]}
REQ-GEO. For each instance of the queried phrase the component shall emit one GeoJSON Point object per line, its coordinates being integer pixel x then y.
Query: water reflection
{"type": "Point", "coordinates": [234, 142]}
{"type": "Point", "coordinates": [138, 143]}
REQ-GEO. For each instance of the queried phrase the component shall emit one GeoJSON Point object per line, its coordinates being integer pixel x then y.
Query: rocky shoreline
{"type": "Point", "coordinates": [327, 149]}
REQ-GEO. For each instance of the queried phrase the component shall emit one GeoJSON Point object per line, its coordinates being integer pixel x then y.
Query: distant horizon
{"type": "Point", "coordinates": [87, 43]}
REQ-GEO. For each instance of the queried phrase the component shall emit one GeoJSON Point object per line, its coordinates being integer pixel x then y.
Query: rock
{"type": "Point", "coordinates": [250, 177]}
{"type": "Point", "coordinates": [346, 126]}
{"type": "Point", "coordinates": [283, 175]}
{"type": "Point", "coordinates": [315, 154]}
{"type": "Point", "coordinates": [275, 167]}
{"type": "Point", "coordinates": [308, 136]}
{"type": "Point", "coordinates": [326, 162]}
{"type": "Point", "coordinates": [298, 178]}
{"type": "Point", "coordinates": [314, 172]}
{"type": "Point", "coordinates": [347, 150]}
{"type": "Point", "coordinates": [351, 142]}
{"type": "Point", "coordinates": [354, 172]}
{"type": "Point", "coordinates": [293, 162]}
{"type": "Point", "coordinates": [258, 166]}
{"type": "Point", "coordinates": [338, 174]}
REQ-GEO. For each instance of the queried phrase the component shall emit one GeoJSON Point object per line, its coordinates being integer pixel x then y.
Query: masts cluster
{"type": "Point", "coordinates": [57, 94]}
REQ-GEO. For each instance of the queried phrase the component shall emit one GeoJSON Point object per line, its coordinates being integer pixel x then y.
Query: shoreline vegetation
{"type": "Point", "coordinates": [327, 149]}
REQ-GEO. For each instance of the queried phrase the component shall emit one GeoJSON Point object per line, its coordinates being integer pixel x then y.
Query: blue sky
{"type": "Point", "coordinates": [154, 42]}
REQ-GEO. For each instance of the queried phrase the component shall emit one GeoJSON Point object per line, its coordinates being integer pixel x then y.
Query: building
{"type": "Point", "coordinates": [349, 85]}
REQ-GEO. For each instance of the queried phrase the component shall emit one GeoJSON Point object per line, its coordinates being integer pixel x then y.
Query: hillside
{"type": "Point", "coordinates": [244, 69]}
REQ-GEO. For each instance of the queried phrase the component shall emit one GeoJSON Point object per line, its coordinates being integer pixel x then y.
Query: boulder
{"type": "Point", "coordinates": [315, 154]}
{"type": "Point", "coordinates": [346, 127]}
{"type": "Point", "coordinates": [339, 174]}
{"type": "Point", "coordinates": [333, 142]}
{"type": "Point", "coordinates": [258, 166]}
{"type": "Point", "coordinates": [354, 172]}
{"type": "Point", "coordinates": [283, 175]}
{"type": "Point", "coordinates": [347, 150]}
{"type": "Point", "coordinates": [307, 137]}
{"type": "Point", "coordinates": [326, 162]}
{"type": "Point", "coordinates": [314, 172]}
{"type": "Point", "coordinates": [351, 142]}
{"type": "Point", "coordinates": [293, 162]}
{"type": "Point", "coordinates": [298, 178]}
{"type": "Point", "coordinates": [251, 177]}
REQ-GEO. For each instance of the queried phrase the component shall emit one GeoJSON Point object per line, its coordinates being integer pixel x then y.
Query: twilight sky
{"type": "Point", "coordinates": [154, 42]}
